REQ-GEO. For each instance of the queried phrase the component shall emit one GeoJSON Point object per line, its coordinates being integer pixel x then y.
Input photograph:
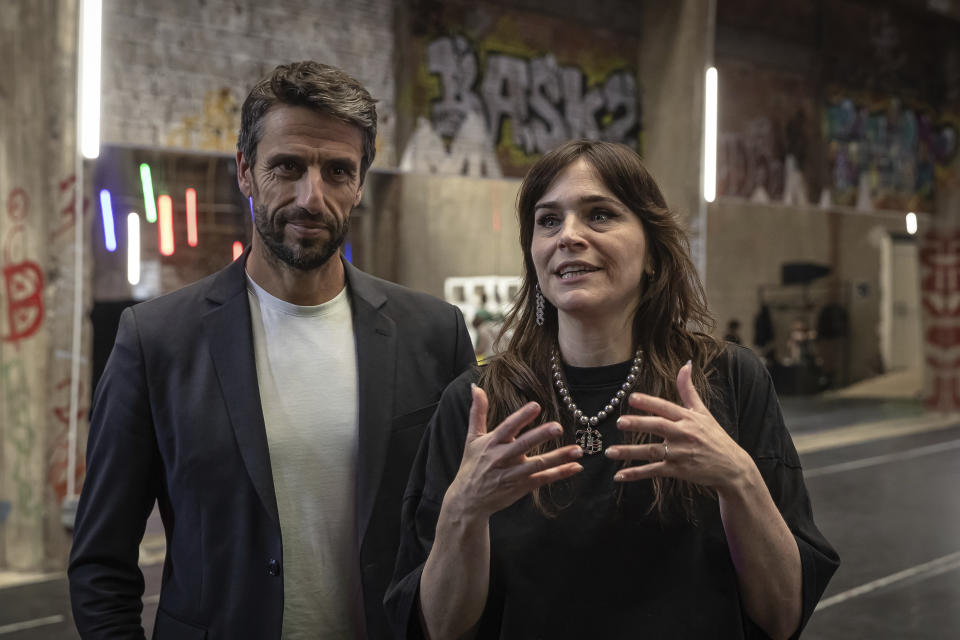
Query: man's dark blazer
{"type": "Point", "coordinates": [177, 419]}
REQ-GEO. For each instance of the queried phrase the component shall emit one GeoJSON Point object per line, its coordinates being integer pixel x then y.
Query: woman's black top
{"type": "Point", "coordinates": [606, 566]}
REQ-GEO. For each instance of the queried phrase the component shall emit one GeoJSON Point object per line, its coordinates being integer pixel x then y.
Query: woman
{"type": "Point", "coordinates": [661, 495]}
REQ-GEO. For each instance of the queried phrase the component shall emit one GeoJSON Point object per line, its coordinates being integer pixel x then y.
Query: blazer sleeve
{"type": "Point", "coordinates": [434, 468]}
{"type": "Point", "coordinates": [121, 485]}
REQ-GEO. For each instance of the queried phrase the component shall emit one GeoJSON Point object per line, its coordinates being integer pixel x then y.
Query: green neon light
{"type": "Point", "coordinates": [149, 201]}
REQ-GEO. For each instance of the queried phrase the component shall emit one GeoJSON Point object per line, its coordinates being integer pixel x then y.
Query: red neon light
{"type": "Point", "coordinates": [237, 249]}
{"type": "Point", "coordinates": [192, 217]}
{"type": "Point", "coordinates": [165, 228]}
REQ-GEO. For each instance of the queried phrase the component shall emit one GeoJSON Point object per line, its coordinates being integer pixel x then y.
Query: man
{"type": "Point", "coordinates": [272, 409]}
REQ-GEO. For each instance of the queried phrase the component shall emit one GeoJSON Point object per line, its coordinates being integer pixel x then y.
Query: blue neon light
{"type": "Point", "coordinates": [106, 212]}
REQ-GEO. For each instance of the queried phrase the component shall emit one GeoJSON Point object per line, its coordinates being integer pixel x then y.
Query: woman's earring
{"type": "Point", "coordinates": [538, 300]}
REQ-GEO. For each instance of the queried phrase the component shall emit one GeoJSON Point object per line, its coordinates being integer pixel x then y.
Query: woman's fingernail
{"type": "Point", "coordinates": [576, 453]}
{"type": "Point", "coordinates": [690, 362]}
{"type": "Point", "coordinates": [556, 430]}
{"type": "Point", "coordinates": [619, 477]}
{"type": "Point", "coordinates": [611, 452]}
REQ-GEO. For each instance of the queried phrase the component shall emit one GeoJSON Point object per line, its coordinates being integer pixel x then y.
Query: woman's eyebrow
{"type": "Point", "coordinates": [588, 199]}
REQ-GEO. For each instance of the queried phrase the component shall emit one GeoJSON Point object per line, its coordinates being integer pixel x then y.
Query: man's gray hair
{"type": "Point", "coordinates": [316, 86]}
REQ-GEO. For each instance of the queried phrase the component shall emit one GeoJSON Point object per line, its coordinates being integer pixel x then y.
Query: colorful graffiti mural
{"type": "Point", "coordinates": [503, 92]}
{"type": "Point", "coordinates": [889, 147]}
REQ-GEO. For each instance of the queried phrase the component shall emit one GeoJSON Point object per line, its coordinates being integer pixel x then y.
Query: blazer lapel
{"type": "Point", "coordinates": [230, 336]}
{"type": "Point", "coordinates": [376, 368]}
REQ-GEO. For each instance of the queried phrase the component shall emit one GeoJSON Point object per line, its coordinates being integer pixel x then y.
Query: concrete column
{"type": "Point", "coordinates": [940, 291]}
{"type": "Point", "coordinates": [940, 270]}
{"type": "Point", "coordinates": [38, 50]}
{"type": "Point", "coordinates": [675, 51]}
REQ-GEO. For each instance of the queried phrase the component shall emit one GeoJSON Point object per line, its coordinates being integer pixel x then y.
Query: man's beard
{"type": "Point", "coordinates": [309, 253]}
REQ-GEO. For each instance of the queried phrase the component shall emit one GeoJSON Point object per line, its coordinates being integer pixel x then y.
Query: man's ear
{"type": "Point", "coordinates": [356, 201]}
{"type": "Point", "coordinates": [244, 177]}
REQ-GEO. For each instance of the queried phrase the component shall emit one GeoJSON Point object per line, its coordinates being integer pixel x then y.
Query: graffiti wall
{"type": "Point", "coordinates": [764, 147]}
{"type": "Point", "coordinates": [36, 328]}
{"type": "Point", "coordinates": [494, 89]}
{"type": "Point", "coordinates": [39, 216]}
{"type": "Point", "coordinates": [21, 318]}
{"type": "Point", "coordinates": [846, 104]}
{"type": "Point", "coordinates": [886, 151]}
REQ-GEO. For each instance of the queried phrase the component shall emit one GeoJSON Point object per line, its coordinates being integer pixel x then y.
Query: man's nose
{"type": "Point", "coordinates": [310, 191]}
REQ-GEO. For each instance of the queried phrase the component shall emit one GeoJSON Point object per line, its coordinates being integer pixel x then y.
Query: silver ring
{"type": "Point", "coordinates": [666, 451]}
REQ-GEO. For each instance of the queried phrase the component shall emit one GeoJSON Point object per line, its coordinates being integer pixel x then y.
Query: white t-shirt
{"type": "Point", "coordinates": [307, 372]}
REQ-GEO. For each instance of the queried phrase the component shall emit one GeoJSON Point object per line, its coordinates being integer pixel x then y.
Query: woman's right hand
{"type": "Point", "coordinates": [495, 471]}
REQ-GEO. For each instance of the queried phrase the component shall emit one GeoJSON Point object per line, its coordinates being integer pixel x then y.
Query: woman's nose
{"type": "Point", "coordinates": [571, 232]}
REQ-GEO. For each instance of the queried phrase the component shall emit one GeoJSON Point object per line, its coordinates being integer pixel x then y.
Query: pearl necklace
{"type": "Point", "coordinates": [589, 436]}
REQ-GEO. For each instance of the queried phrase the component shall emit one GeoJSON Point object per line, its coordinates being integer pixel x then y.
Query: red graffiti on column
{"type": "Point", "coordinates": [62, 411]}
{"type": "Point", "coordinates": [24, 286]}
{"type": "Point", "coordinates": [59, 455]}
{"type": "Point", "coordinates": [68, 211]}
{"type": "Point", "coordinates": [18, 204]}
{"type": "Point", "coordinates": [940, 285]}
{"type": "Point", "coordinates": [22, 278]}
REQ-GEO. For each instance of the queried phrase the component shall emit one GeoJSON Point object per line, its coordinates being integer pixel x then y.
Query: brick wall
{"type": "Point", "coordinates": [176, 72]}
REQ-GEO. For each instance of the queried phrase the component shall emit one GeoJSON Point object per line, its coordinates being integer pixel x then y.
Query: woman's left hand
{"type": "Point", "coordinates": [695, 447]}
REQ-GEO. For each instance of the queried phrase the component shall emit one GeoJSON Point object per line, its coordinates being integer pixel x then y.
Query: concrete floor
{"type": "Point", "coordinates": [888, 505]}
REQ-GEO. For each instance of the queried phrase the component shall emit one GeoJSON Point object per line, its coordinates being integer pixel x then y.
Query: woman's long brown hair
{"type": "Point", "coordinates": [668, 326]}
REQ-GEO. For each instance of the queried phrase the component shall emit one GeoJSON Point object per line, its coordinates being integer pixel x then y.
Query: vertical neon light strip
{"type": "Point", "coordinates": [710, 137]}
{"type": "Point", "coordinates": [251, 207]}
{"type": "Point", "coordinates": [191, 217]}
{"type": "Point", "coordinates": [237, 249]}
{"type": "Point", "coordinates": [165, 228]}
{"type": "Point", "coordinates": [149, 201]}
{"type": "Point", "coordinates": [106, 214]}
{"type": "Point", "coordinates": [90, 28]}
{"type": "Point", "coordinates": [133, 248]}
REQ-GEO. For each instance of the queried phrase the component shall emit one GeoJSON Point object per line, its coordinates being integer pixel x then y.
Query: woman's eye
{"type": "Point", "coordinates": [600, 215]}
{"type": "Point", "coordinates": [548, 221]}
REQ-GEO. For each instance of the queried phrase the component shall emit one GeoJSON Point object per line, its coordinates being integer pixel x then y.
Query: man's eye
{"type": "Point", "coordinates": [287, 166]}
{"type": "Point", "coordinates": [340, 173]}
